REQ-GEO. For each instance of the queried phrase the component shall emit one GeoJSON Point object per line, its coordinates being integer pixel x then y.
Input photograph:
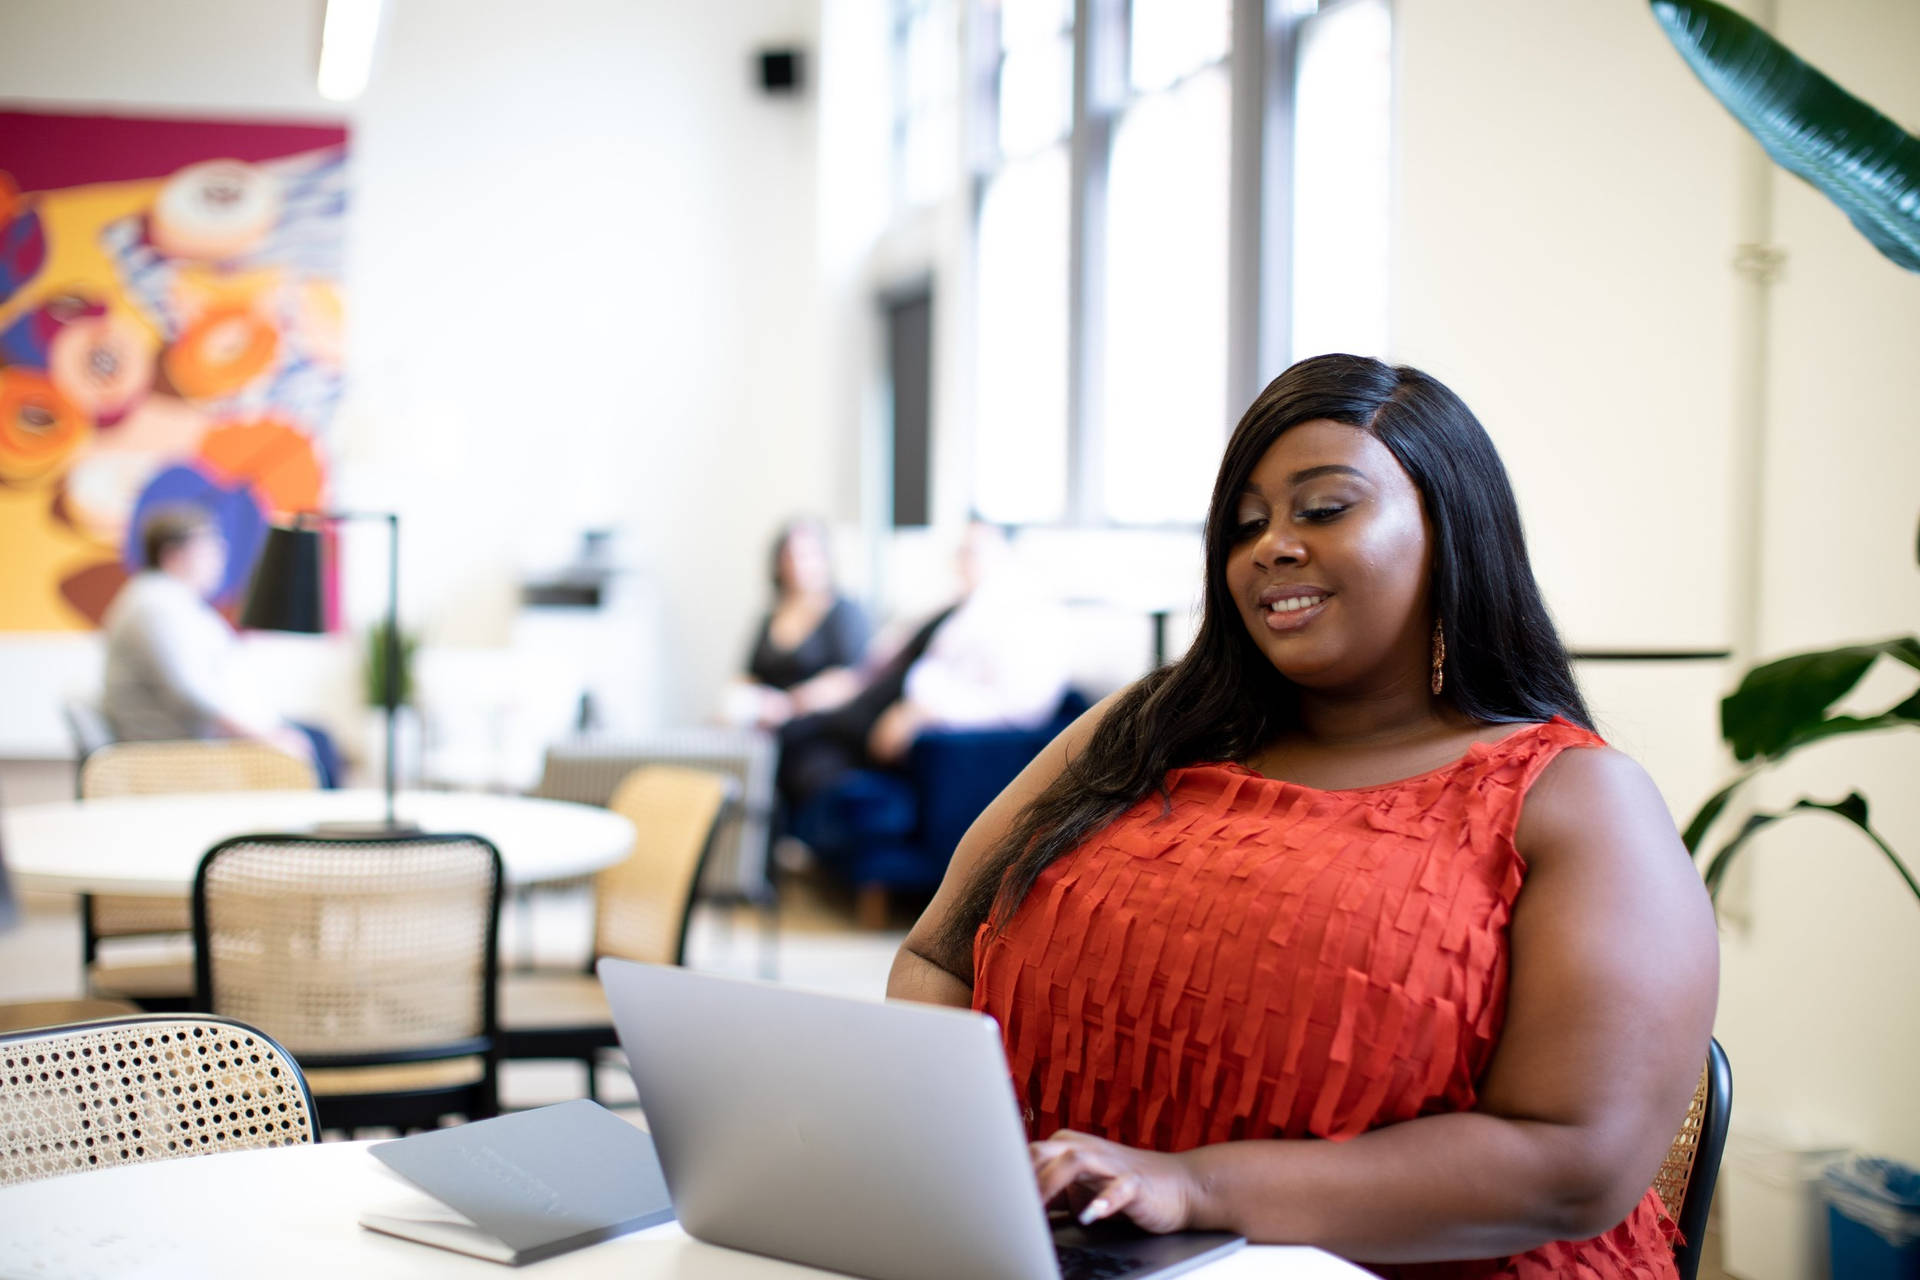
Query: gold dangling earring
{"type": "Point", "coordinates": [1439, 656]}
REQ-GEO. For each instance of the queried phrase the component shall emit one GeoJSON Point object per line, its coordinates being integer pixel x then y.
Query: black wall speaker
{"type": "Point", "coordinates": [782, 71]}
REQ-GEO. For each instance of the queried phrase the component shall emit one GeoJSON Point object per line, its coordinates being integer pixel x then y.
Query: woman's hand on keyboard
{"type": "Point", "coordinates": [1095, 1179]}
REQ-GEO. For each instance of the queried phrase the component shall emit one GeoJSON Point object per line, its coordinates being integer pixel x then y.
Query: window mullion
{"type": "Point", "coordinates": [1247, 196]}
{"type": "Point", "coordinates": [1277, 48]}
{"type": "Point", "coordinates": [1096, 28]}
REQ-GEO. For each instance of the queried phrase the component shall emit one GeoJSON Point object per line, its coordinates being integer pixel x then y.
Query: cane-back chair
{"type": "Point", "coordinates": [642, 905]}
{"type": "Point", "coordinates": [1686, 1177]}
{"type": "Point", "coordinates": [152, 1087]}
{"type": "Point", "coordinates": [372, 959]}
{"type": "Point", "coordinates": [166, 768]}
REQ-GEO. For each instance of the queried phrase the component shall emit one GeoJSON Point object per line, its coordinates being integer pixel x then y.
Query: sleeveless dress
{"type": "Point", "coordinates": [1269, 960]}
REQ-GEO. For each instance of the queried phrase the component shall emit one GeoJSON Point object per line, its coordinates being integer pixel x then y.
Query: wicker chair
{"type": "Point", "coordinates": [1686, 1177]}
{"type": "Point", "coordinates": [35, 1015]}
{"type": "Point", "coordinates": [373, 960]}
{"type": "Point", "coordinates": [641, 909]}
{"type": "Point", "coordinates": [166, 768]}
{"type": "Point", "coordinates": [87, 726]}
{"type": "Point", "coordinates": [148, 1088]}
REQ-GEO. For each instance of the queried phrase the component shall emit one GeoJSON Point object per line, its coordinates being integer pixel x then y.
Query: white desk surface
{"type": "Point", "coordinates": [153, 844]}
{"type": "Point", "coordinates": [293, 1211]}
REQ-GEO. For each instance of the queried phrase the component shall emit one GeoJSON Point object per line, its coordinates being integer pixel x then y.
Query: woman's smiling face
{"type": "Point", "coordinates": [1330, 560]}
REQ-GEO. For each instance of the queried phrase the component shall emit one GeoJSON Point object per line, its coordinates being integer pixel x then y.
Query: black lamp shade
{"type": "Point", "coordinates": [285, 594]}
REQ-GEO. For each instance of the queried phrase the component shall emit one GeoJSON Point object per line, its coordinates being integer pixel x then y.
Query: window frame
{"type": "Point", "coordinates": [1261, 65]}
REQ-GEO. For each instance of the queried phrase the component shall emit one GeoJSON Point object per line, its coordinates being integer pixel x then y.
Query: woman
{"type": "Point", "coordinates": [1286, 888]}
{"type": "Point", "coordinates": [810, 643]}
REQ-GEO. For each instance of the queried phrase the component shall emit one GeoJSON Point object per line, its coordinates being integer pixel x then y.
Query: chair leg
{"type": "Point", "coordinates": [89, 940]}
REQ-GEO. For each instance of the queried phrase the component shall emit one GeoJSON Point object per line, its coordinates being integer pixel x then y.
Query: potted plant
{"type": "Point", "coordinates": [406, 726]}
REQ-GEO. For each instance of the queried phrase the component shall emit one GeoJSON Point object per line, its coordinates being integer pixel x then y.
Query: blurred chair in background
{"type": "Point", "coordinates": [589, 769]}
{"type": "Point", "coordinates": [144, 1088]}
{"type": "Point", "coordinates": [165, 768]}
{"type": "Point", "coordinates": [19, 1015]}
{"type": "Point", "coordinates": [641, 909]}
{"type": "Point", "coordinates": [87, 726]}
{"type": "Point", "coordinates": [372, 960]}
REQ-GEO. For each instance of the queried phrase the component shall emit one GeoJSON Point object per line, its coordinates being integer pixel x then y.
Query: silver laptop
{"type": "Point", "coordinates": [878, 1140]}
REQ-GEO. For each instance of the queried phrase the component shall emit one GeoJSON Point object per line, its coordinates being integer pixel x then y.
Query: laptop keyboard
{"type": "Point", "coordinates": [1077, 1263]}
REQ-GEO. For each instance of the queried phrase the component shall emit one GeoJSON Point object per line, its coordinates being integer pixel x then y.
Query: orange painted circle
{"type": "Point", "coordinates": [221, 353]}
{"type": "Point", "coordinates": [277, 459]}
{"type": "Point", "coordinates": [40, 429]}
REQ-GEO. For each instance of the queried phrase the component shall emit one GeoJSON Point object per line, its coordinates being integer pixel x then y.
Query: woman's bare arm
{"type": "Point", "coordinates": [919, 973]}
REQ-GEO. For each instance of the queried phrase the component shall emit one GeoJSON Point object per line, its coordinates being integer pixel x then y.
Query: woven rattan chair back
{"type": "Point", "coordinates": [643, 901]}
{"type": "Point", "coordinates": [1687, 1176]}
{"type": "Point", "coordinates": [167, 768]}
{"type": "Point", "coordinates": [353, 947]}
{"type": "Point", "coordinates": [138, 1089]}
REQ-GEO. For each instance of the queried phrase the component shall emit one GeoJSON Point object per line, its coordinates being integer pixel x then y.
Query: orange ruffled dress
{"type": "Point", "coordinates": [1270, 960]}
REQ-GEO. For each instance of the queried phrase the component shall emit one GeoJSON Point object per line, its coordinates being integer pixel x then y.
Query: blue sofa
{"type": "Point", "coordinates": [883, 831]}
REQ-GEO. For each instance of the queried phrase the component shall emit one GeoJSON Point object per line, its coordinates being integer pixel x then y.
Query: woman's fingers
{"type": "Point", "coordinates": [1113, 1198]}
{"type": "Point", "coordinates": [1068, 1160]}
{"type": "Point", "coordinates": [1097, 1179]}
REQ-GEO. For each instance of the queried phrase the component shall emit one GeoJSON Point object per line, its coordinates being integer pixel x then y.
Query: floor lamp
{"type": "Point", "coordinates": [286, 595]}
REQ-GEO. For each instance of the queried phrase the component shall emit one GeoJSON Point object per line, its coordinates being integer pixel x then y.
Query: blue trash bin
{"type": "Point", "coordinates": [1873, 1219]}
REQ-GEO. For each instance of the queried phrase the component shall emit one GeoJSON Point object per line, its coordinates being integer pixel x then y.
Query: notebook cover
{"type": "Point", "coordinates": [540, 1182]}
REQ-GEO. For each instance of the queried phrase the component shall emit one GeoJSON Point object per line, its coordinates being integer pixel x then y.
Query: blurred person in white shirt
{"type": "Point", "coordinates": [170, 667]}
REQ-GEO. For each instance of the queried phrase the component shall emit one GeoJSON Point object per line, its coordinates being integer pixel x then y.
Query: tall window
{"type": "Point", "coordinates": [926, 96]}
{"type": "Point", "coordinates": [1162, 414]}
{"type": "Point", "coordinates": [1157, 224]}
{"type": "Point", "coordinates": [1020, 393]}
{"type": "Point", "coordinates": [1342, 113]}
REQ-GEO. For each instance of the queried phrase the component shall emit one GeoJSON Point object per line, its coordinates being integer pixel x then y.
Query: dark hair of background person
{"type": "Point", "coordinates": [170, 527]}
{"type": "Point", "coordinates": [1223, 700]}
{"type": "Point", "coordinates": [817, 527]}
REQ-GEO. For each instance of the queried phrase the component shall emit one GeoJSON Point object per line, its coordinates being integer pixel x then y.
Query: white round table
{"type": "Point", "coordinates": [295, 1210]}
{"type": "Point", "coordinates": [153, 844]}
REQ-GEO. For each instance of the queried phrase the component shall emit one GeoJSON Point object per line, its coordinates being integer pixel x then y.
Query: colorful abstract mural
{"type": "Point", "coordinates": [170, 332]}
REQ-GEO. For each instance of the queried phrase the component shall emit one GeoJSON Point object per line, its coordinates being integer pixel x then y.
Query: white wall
{"type": "Point", "coordinates": [1818, 996]}
{"type": "Point", "coordinates": [1569, 201]}
{"type": "Point", "coordinates": [582, 282]}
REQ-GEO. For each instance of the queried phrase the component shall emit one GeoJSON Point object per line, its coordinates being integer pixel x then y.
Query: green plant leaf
{"type": "Point", "coordinates": [1782, 704]}
{"type": "Point", "coordinates": [1835, 726]}
{"type": "Point", "coordinates": [1717, 867]}
{"type": "Point", "coordinates": [1851, 153]}
{"type": "Point", "coordinates": [1853, 808]}
{"type": "Point", "coordinates": [1709, 813]}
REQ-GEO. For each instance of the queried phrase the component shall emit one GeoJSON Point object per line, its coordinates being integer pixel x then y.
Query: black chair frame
{"type": "Point", "coordinates": [1698, 1197]}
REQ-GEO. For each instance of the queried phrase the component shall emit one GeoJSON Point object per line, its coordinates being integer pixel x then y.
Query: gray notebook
{"type": "Point", "coordinates": [529, 1185]}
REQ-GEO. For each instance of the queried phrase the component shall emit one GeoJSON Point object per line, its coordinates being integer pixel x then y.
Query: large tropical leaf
{"type": "Point", "coordinates": [1856, 157]}
{"type": "Point", "coordinates": [1783, 704]}
{"type": "Point", "coordinates": [1853, 809]}
{"type": "Point", "coordinates": [1710, 811]}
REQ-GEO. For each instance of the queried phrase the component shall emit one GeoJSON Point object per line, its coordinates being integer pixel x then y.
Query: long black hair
{"type": "Point", "coordinates": [1223, 700]}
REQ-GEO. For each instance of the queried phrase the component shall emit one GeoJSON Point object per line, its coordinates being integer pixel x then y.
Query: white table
{"type": "Point", "coordinates": [153, 844]}
{"type": "Point", "coordinates": [292, 1211]}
